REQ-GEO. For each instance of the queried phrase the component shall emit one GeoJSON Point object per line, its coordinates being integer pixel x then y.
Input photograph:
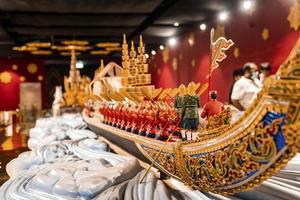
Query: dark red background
{"type": "Point", "coordinates": [245, 29]}
{"type": "Point", "coordinates": [10, 93]}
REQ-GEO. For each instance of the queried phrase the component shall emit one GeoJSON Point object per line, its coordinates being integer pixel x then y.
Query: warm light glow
{"type": "Point", "coordinates": [79, 65]}
{"type": "Point", "coordinates": [172, 41]}
{"type": "Point", "coordinates": [153, 52]}
{"type": "Point", "coordinates": [202, 27]}
{"type": "Point", "coordinates": [247, 4]}
{"type": "Point", "coordinates": [176, 24]}
{"type": "Point", "coordinates": [161, 47]}
{"type": "Point", "coordinates": [147, 55]}
{"type": "Point", "coordinates": [223, 16]}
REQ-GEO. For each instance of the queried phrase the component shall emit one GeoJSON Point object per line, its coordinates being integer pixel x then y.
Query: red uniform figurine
{"type": "Point", "coordinates": [213, 107]}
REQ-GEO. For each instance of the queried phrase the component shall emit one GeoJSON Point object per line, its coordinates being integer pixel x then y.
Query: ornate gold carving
{"type": "Point", "coordinates": [217, 121]}
{"type": "Point", "coordinates": [294, 16]}
{"type": "Point", "coordinates": [239, 157]}
{"type": "Point", "coordinates": [76, 87]}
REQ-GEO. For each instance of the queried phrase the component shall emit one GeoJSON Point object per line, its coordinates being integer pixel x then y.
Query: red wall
{"type": "Point", "coordinates": [9, 93]}
{"type": "Point", "coordinates": [245, 29]}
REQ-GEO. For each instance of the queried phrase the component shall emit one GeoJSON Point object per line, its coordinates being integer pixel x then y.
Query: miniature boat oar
{"type": "Point", "coordinates": [161, 149]}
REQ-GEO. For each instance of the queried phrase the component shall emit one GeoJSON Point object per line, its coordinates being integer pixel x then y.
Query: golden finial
{"type": "Point", "coordinates": [141, 48]}
{"type": "Point", "coordinates": [141, 41]}
{"type": "Point", "coordinates": [124, 39]}
{"type": "Point", "coordinates": [132, 45]}
{"type": "Point", "coordinates": [73, 60]}
{"type": "Point", "coordinates": [132, 51]}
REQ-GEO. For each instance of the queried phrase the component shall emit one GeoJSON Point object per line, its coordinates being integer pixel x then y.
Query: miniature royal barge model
{"type": "Point", "coordinates": [222, 158]}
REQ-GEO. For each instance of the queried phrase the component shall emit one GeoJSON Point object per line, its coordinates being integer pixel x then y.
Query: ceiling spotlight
{"type": "Point", "coordinates": [79, 65]}
{"type": "Point", "coordinates": [247, 4]}
{"type": "Point", "coordinates": [172, 41]}
{"type": "Point", "coordinates": [147, 55]}
{"type": "Point", "coordinates": [202, 27]}
{"type": "Point", "coordinates": [161, 47]}
{"type": "Point", "coordinates": [176, 24]}
{"type": "Point", "coordinates": [223, 15]}
{"type": "Point", "coordinates": [153, 52]}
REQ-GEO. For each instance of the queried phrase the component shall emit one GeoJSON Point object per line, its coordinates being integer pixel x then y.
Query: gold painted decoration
{"type": "Point", "coordinates": [14, 67]}
{"type": "Point", "coordinates": [236, 52]}
{"type": "Point", "coordinates": [191, 39]}
{"type": "Point", "coordinates": [40, 78]}
{"type": "Point", "coordinates": [22, 78]}
{"type": "Point", "coordinates": [32, 68]}
{"type": "Point", "coordinates": [175, 64]}
{"type": "Point", "coordinates": [166, 54]}
{"type": "Point", "coordinates": [193, 63]}
{"type": "Point", "coordinates": [5, 77]}
{"type": "Point", "coordinates": [218, 49]}
{"type": "Point", "coordinates": [265, 34]}
{"type": "Point", "coordinates": [294, 16]}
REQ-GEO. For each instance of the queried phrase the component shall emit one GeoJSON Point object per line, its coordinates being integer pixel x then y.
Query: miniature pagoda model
{"type": "Point", "coordinates": [76, 87]}
{"type": "Point", "coordinates": [135, 76]}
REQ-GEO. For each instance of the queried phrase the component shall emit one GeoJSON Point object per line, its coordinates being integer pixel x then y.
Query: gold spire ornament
{"type": "Point", "coordinates": [294, 16]}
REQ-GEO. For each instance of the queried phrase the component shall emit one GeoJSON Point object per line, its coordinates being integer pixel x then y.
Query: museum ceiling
{"type": "Point", "coordinates": [24, 21]}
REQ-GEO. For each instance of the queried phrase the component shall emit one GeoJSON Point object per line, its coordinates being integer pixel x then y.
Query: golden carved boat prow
{"type": "Point", "coordinates": [235, 158]}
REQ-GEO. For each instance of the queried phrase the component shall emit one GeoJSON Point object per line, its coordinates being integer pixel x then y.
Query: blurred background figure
{"type": "Point", "coordinates": [236, 75]}
{"type": "Point", "coordinates": [265, 71]}
{"type": "Point", "coordinates": [246, 88]}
